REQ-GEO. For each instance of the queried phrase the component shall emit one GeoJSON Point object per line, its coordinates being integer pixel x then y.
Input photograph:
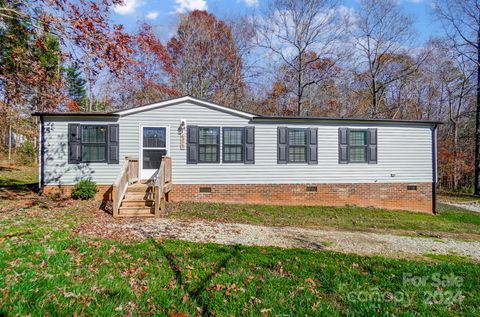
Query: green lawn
{"type": "Point", "coordinates": [48, 269]}
{"type": "Point", "coordinates": [449, 222]}
{"type": "Point", "coordinates": [458, 197]}
{"type": "Point", "coordinates": [12, 175]}
{"type": "Point", "coordinates": [17, 183]}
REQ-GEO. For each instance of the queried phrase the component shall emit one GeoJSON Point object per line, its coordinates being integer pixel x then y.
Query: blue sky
{"type": "Point", "coordinates": [163, 13]}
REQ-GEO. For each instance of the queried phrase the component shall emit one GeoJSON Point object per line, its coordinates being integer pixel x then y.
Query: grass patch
{"type": "Point", "coordinates": [328, 243]}
{"type": "Point", "coordinates": [16, 175]}
{"type": "Point", "coordinates": [47, 269]}
{"type": "Point", "coordinates": [18, 183]}
{"type": "Point", "coordinates": [458, 197]}
{"type": "Point", "coordinates": [448, 257]}
{"type": "Point", "coordinates": [449, 221]}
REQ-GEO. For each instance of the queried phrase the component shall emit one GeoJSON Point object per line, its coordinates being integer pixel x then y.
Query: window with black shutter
{"type": "Point", "coordinates": [93, 143]}
{"type": "Point", "coordinates": [297, 145]}
{"type": "Point", "coordinates": [357, 146]}
{"type": "Point", "coordinates": [238, 145]}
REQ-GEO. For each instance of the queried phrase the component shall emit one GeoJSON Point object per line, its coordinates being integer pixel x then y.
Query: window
{"type": "Point", "coordinates": [203, 144]}
{"type": "Point", "coordinates": [208, 145]}
{"type": "Point", "coordinates": [357, 146]}
{"type": "Point", "coordinates": [233, 145]}
{"type": "Point", "coordinates": [297, 145]}
{"type": "Point", "coordinates": [94, 143]}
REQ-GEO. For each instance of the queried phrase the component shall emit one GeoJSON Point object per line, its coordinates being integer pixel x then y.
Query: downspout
{"type": "Point", "coordinates": [434, 169]}
{"type": "Point", "coordinates": [42, 155]}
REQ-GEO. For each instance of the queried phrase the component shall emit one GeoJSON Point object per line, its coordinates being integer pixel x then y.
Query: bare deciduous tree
{"type": "Point", "coordinates": [293, 28]}
{"type": "Point", "coordinates": [382, 33]}
{"type": "Point", "coordinates": [206, 60]}
{"type": "Point", "coordinates": [461, 21]}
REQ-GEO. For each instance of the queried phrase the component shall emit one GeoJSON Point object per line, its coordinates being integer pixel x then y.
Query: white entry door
{"type": "Point", "coordinates": [155, 144]}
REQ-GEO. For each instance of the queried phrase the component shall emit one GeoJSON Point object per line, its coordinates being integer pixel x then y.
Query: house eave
{"type": "Point", "coordinates": [293, 119]}
{"type": "Point", "coordinates": [74, 114]}
{"type": "Point", "coordinates": [187, 98]}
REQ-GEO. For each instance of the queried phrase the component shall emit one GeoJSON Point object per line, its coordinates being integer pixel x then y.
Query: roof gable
{"type": "Point", "coordinates": [190, 99]}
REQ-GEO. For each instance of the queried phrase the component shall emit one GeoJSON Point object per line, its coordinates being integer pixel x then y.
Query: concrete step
{"type": "Point", "coordinates": [137, 203]}
{"type": "Point", "coordinates": [136, 212]}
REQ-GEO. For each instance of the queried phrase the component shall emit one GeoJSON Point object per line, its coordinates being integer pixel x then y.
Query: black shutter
{"type": "Point", "coordinates": [343, 146]}
{"type": "Point", "coordinates": [282, 146]}
{"type": "Point", "coordinates": [249, 145]}
{"type": "Point", "coordinates": [113, 144]}
{"type": "Point", "coordinates": [372, 146]}
{"type": "Point", "coordinates": [74, 143]}
{"type": "Point", "coordinates": [312, 146]}
{"type": "Point", "coordinates": [192, 144]}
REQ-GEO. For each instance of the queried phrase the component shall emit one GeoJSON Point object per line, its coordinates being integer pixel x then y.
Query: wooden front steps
{"type": "Point", "coordinates": [131, 198]}
{"type": "Point", "coordinates": [138, 201]}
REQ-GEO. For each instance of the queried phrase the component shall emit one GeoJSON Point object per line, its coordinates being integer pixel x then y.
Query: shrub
{"type": "Point", "coordinates": [85, 189]}
{"type": "Point", "coordinates": [26, 152]}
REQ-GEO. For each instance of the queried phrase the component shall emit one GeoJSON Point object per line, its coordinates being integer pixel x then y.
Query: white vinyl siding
{"type": "Point", "coordinates": [404, 151]}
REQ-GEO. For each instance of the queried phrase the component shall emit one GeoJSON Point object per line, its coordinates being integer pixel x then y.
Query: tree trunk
{"type": "Point", "coordinates": [89, 87]}
{"type": "Point", "coordinates": [299, 85]}
{"type": "Point", "coordinates": [455, 156]}
{"type": "Point", "coordinates": [374, 98]}
{"type": "Point", "coordinates": [9, 142]}
{"type": "Point", "coordinates": [88, 71]}
{"type": "Point", "coordinates": [477, 122]}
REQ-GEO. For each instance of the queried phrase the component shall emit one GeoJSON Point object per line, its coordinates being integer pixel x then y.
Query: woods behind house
{"type": "Point", "coordinates": [288, 57]}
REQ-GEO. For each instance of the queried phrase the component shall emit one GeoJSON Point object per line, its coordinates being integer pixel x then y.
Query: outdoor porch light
{"type": "Point", "coordinates": [181, 132]}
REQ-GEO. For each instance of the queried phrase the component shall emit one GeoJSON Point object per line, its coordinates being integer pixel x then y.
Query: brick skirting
{"type": "Point", "coordinates": [104, 191]}
{"type": "Point", "coordinates": [380, 195]}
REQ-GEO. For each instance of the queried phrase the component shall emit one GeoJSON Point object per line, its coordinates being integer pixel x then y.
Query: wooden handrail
{"type": "Point", "coordinates": [162, 184]}
{"type": "Point", "coordinates": [128, 174]}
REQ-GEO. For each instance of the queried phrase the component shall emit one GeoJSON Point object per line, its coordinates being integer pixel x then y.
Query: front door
{"type": "Point", "coordinates": [154, 146]}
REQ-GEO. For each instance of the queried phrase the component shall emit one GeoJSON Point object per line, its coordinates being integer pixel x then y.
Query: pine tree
{"type": "Point", "coordinates": [76, 86]}
{"type": "Point", "coordinates": [14, 52]}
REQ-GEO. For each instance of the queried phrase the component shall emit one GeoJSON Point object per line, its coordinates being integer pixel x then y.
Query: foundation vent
{"type": "Point", "coordinates": [205, 189]}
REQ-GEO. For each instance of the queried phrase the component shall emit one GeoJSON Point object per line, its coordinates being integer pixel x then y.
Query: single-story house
{"type": "Point", "coordinates": [218, 154]}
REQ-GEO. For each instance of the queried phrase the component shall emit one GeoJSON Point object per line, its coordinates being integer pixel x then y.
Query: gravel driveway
{"type": "Point", "coordinates": [473, 206]}
{"type": "Point", "coordinates": [364, 243]}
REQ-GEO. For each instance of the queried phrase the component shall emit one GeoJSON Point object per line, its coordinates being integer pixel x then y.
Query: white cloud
{"type": "Point", "coordinates": [251, 3]}
{"type": "Point", "coordinates": [152, 15]}
{"type": "Point", "coordinates": [183, 6]}
{"type": "Point", "coordinates": [127, 7]}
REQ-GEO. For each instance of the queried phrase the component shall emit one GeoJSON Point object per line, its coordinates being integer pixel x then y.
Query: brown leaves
{"type": "Point", "coordinates": [206, 59]}
{"type": "Point", "coordinates": [145, 76]}
{"type": "Point", "coordinates": [83, 299]}
{"type": "Point", "coordinates": [310, 281]}
{"type": "Point", "coordinates": [112, 250]}
{"type": "Point", "coordinates": [136, 279]}
{"type": "Point", "coordinates": [226, 289]}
